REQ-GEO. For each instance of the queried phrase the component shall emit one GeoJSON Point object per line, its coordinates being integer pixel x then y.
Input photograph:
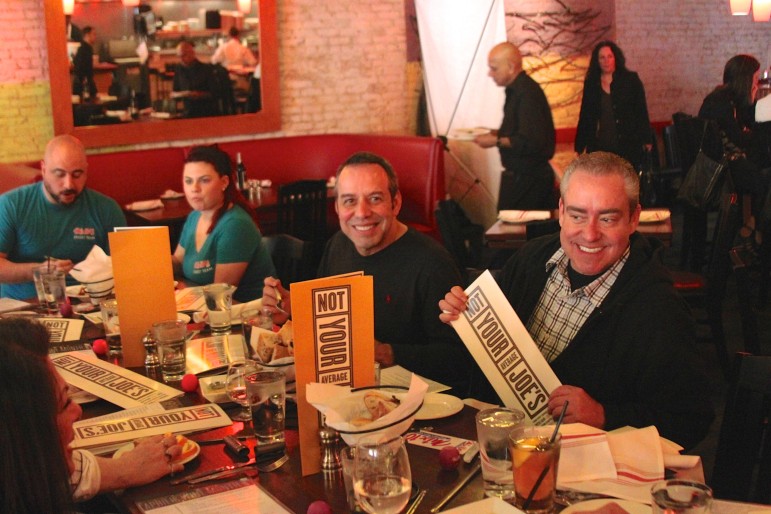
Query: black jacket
{"type": "Point", "coordinates": [635, 354]}
{"type": "Point", "coordinates": [630, 110]}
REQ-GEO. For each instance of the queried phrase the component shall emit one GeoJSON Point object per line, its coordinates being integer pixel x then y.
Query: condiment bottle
{"type": "Point", "coordinates": [330, 444]}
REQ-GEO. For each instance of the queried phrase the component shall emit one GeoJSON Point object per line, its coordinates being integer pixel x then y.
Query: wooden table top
{"type": "Point", "coordinates": [512, 235]}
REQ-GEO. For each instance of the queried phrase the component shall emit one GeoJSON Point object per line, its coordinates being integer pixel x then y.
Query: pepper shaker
{"type": "Point", "coordinates": [152, 362]}
{"type": "Point", "coordinates": [330, 444]}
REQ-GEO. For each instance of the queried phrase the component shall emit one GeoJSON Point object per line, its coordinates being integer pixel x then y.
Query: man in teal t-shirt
{"type": "Point", "coordinates": [57, 219]}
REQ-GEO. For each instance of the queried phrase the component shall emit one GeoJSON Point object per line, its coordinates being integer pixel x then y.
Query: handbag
{"type": "Point", "coordinates": [705, 179]}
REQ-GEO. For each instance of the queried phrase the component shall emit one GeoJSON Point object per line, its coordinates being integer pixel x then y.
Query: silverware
{"type": "Point", "coordinates": [416, 502]}
{"type": "Point", "coordinates": [436, 508]}
{"type": "Point", "coordinates": [214, 471]}
{"type": "Point", "coordinates": [221, 474]}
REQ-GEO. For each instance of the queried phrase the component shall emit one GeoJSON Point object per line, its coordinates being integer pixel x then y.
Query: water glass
{"type": "Point", "coordinates": [171, 336]}
{"type": "Point", "coordinates": [535, 459]}
{"type": "Point", "coordinates": [111, 322]}
{"type": "Point", "coordinates": [235, 386]}
{"type": "Point", "coordinates": [54, 289]}
{"type": "Point", "coordinates": [39, 288]}
{"type": "Point", "coordinates": [382, 480]}
{"type": "Point", "coordinates": [219, 300]}
{"type": "Point", "coordinates": [347, 457]}
{"type": "Point", "coordinates": [493, 428]}
{"type": "Point", "coordinates": [681, 497]}
{"type": "Point", "coordinates": [267, 398]}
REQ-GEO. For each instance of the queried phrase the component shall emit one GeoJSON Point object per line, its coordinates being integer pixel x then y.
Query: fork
{"type": "Point", "coordinates": [265, 468]}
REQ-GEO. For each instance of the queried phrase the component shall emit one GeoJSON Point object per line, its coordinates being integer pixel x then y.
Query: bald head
{"type": "Point", "coordinates": [64, 169]}
{"type": "Point", "coordinates": [505, 63]}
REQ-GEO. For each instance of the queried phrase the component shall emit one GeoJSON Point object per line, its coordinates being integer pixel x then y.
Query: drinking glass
{"type": "Point", "coordinates": [382, 481]}
{"type": "Point", "coordinates": [219, 300]}
{"type": "Point", "coordinates": [681, 497]}
{"type": "Point", "coordinates": [235, 386]}
{"type": "Point", "coordinates": [171, 336]}
{"type": "Point", "coordinates": [535, 459]}
{"type": "Point", "coordinates": [493, 428]}
{"type": "Point", "coordinates": [54, 289]}
{"type": "Point", "coordinates": [111, 322]}
{"type": "Point", "coordinates": [250, 319]}
{"type": "Point", "coordinates": [267, 398]}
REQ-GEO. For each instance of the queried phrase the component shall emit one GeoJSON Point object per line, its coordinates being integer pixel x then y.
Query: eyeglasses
{"type": "Point", "coordinates": [60, 173]}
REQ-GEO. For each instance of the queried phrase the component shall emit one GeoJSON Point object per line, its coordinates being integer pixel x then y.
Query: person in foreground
{"type": "Point", "coordinates": [601, 307]}
{"type": "Point", "coordinates": [526, 137]}
{"type": "Point", "coordinates": [614, 113]}
{"type": "Point", "coordinates": [410, 272]}
{"type": "Point", "coordinates": [220, 241]}
{"type": "Point", "coordinates": [41, 473]}
{"type": "Point", "coordinates": [53, 223]}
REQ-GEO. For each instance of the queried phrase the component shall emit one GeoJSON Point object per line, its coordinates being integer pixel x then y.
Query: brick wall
{"type": "Point", "coordinates": [343, 63]}
{"type": "Point", "coordinates": [679, 48]}
{"type": "Point", "coordinates": [25, 102]}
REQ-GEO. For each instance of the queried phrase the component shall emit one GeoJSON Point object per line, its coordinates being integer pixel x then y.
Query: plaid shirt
{"type": "Point", "coordinates": [560, 312]}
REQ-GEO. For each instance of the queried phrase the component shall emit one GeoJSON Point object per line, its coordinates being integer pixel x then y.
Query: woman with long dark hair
{"type": "Point", "coordinates": [220, 241]}
{"type": "Point", "coordinates": [39, 472]}
{"type": "Point", "coordinates": [614, 113]}
{"type": "Point", "coordinates": [732, 106]}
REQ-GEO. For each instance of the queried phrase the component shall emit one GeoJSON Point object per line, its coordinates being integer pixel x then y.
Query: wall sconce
{"type": "Point", "coordinates": [761, 10]}
{"type": "Point", "coordinates": [245, 6]}
{"type": "Point", "coordinates": [740, 7]}
{"type": "Point", "coordinates": [69, 6]}
{"type": "Point", "coordinates": [130, 3]}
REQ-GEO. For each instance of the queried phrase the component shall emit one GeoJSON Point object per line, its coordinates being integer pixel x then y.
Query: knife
{"type": "Point", "coordinates": [221, 474]}
{"type": "Point", "coordinates": [221, 469]}
{"type": "Point", "coordinates": [436, 508]}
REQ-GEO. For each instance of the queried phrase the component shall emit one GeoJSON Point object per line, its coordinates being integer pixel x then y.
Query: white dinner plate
{"type": "Point", "coordinates": [78, 292]}
{"type": "Point", "coordinates": [438, 405]}
{"type": "Point", "coordinates": [468, 134]}
{"type": "Point", "coordinates": [515, 216]}
{"type": "Point", "coordinates": [80, 396]}
{"type": "Point", "coordinates": [130, 446]}
{"type": "Point", "coordinates": [654, 215]}
{"type": "Point", "coordinates": [629, 506]}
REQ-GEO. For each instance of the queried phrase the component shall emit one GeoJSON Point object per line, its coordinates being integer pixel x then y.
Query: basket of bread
{"type": "Point", "coordinates": [354, 413]}
{"type": "Point", "coordinates": [275, 350]}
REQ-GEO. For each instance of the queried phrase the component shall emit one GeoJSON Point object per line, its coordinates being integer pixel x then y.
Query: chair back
{"type": "Point", "coordinates": [462, 238]}
{"type": "Point", "coordinates": [535, 229]}
{"type": "Point", "coordinates": [743, 459]}
{"type": "Point", "coordinates": [302, 213]}
{"type": "Point", "coordinates": [727, 226]}
{"type": "Point", "coordinates": [291, 257]}
{"type": "Point", "coordinates": [671, 148]}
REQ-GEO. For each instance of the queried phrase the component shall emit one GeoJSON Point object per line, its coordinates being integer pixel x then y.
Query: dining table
{"type": "Point", "coordinates": [296, 492]}
{"type": "Point", "coordinates": [507, 235]}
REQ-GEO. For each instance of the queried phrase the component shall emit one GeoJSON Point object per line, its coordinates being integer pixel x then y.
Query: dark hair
{"type": "Point", "coordinates": [737, 78]}
{"type": "Point", "coordinates": [233, 31]}
{"type": "Point", "coordinates": [221, 163]}
{"type": "Point", "coordinates": [593, 74]}
{"type": "Point", "coordinates": [605, 164]}
{"type": "Point", "coordinates": [371, 158]}
{"type": "Point", "coordinates": [86, 30]}
{"type": "Point", "coordinates": [34, 476]}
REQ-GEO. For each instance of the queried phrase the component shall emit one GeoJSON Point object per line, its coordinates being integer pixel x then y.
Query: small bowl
{"type": "Point", "coordinates": [100, 289]}
{"type": "Point", "coordinates": [394, 428]}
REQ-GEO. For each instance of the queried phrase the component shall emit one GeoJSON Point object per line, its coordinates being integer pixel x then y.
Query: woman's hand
{"type": "Point", "coordinates": [276, 300]}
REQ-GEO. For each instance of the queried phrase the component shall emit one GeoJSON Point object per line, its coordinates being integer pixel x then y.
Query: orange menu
{"type": "Point", "coordinates": [334, 340]}
{"type": "Point", "coordinates": [144, 286]}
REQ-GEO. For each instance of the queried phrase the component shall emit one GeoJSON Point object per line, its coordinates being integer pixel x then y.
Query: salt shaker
{"type": "Point", "coordinates": [330, 444]}
{"type": "Point", "coordinates": [152, 362]}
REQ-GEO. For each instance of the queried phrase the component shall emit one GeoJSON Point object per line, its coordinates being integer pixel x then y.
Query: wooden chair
{"type": "Point", "coordinates": [743, 459]}
{"type": "Point", "coordinates": [706, 291]}
{"type": "Point", "coordinates": [302, 213]}
{"type": "Point", "coordinates": [291, 257]}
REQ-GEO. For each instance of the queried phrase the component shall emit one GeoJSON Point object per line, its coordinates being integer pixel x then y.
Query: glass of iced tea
{"type": "Point", "coordinates": [535, 458]}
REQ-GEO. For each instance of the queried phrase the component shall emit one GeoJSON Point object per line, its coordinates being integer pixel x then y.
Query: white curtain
{"type": "Point", "coordinates": [455, 38]}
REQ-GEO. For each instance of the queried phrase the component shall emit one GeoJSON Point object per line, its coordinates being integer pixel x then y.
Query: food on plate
{"type": "Point", "coordinates": [188, 447]}
{"type": "Point", "coordinates": [378, 405]}
{"type": "Point", "coordinates": [272, 346]}
{"type": "Point", "coordinates": [608, 508]}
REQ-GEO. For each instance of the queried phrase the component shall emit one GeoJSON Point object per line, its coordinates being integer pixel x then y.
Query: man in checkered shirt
{"type": "Point", "coordinates": [601, 307]}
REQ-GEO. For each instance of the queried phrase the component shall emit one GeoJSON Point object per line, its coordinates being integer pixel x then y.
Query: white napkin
{"type": "Point", "coordinates": [654, 215]}
{"type": "Point", "coordinates": [340, 405]}
{"type": "Point", "coordinates": [638, 455]}
{"type": "Point", "coordinates": [523, 216]}
{"type": "Point", "coordinates": [585, 454]}
{"type": "Point", "coordinates": [97, 266]}
{"type": "Point", "coordinates": [145, 205]}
